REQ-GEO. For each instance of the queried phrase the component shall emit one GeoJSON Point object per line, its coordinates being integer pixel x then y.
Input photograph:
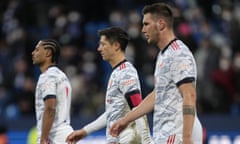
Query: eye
{"type": "Point", "coordinates": [35, 50]}
{"type": "Point", "coordinates": [102, 45]}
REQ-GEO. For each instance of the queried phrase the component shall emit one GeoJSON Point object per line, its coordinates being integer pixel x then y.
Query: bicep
{"type": "Point", "coordinates": [188, 92]}
{"type": "Point", "coordinates": [50, 102]}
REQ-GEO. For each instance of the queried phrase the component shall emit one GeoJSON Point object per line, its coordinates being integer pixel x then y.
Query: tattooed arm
{"type": "Point", "coordinates": [188, 92]}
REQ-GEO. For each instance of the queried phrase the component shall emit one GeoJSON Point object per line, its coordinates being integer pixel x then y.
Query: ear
{"type": "Point", "coordinates": [116, 46]}
{"type": "Point", "coordinates": [48, 53]}
{"type": "Point", "coordinates": [161, 24]}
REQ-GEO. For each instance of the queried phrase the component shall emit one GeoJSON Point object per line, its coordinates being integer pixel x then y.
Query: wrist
{"type": "Point", "coordinates": [187, 135]}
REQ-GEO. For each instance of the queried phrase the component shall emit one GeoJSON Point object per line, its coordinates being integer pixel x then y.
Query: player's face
{"type": "Point", "coordinates": [39, 54]}
{"type": "Point", "coordinates": [150, 29]}
{"type": "Point", "coordinates": [105, 48]}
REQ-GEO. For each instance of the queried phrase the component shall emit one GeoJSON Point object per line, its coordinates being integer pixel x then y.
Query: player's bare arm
{"type": "Point", "coordinates": [188, 92]}
{"type": "Point", "coordinates": [48, 118]}
{"type": "Point", "coordinates": [143, 108]}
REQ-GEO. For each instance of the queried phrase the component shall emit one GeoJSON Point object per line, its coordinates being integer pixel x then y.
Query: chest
{"type": "Point", "coordinates": [162, 73]}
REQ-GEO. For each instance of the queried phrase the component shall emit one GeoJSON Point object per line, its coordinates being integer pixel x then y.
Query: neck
{"type": "Point", "coordinates": [117, 59]}
{"type": "Point", "coordinates": [44, 67]}
{"type": "Point", "coordinates": [165, 38]}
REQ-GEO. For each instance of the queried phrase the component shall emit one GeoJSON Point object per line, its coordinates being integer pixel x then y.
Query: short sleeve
{"type": "Point", "coordinates": [49, 86]}
{"type": "Point", "coordinates": [128, 81]}
{"type": "Point", "coordinates": [183, 68]}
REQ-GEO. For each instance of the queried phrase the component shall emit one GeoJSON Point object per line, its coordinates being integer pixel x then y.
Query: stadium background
{"type": "Point", "coordinates": [210, 28]}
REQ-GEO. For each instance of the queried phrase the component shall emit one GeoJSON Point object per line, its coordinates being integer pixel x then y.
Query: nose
{"type": "Point", "coordinates": [99, 48]}
{"type": "Point", "coordinates": [33, 52]}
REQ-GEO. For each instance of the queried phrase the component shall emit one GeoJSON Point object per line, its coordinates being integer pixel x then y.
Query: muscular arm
{"type": "Point", "coordinates": [48, 118]}
{"type": "Point", "coordinates": [143, 108]}
{"type": "Point", "coordinates": [188, 92]}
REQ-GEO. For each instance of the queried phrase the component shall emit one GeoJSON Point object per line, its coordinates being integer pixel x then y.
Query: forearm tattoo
{"type": "Point", "coordinates": [188, 110]}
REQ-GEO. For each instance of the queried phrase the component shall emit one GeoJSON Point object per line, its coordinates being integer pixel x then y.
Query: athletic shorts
{"type": "Point", "coordinates": [59, 137]}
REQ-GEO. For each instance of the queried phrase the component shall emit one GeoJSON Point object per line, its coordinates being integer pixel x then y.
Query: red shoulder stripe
{"type": "Point", "coordinates": [174, 45]}
{"type": "Point", "coordinates": [122, 66]}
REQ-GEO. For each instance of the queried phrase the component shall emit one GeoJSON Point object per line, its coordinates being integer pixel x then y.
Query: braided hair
{"type": "Point", "coordinates": [54, 47]}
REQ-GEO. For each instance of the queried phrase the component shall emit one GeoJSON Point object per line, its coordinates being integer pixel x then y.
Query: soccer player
{"type": "Point", "coordinates": [123, 93]}
{"type": "Point", "coordinates": [174, 96]}
{"type": "Point", "coordinates": [53, 95]}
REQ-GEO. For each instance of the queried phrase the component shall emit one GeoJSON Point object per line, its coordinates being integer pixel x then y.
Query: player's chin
{"type": "Point", "coordinates": [104, 58]}
{"type": "Point", "coordinates": [149, 41]}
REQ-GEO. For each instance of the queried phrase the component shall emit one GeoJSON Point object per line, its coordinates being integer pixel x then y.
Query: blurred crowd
{"type": "Point", "coordinates": [210, 28]}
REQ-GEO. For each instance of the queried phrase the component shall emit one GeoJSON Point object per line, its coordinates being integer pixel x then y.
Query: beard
{"type": "Point", "coordinates": [152, 42]}
{"type": "Point", "coordinates": [154, 38]}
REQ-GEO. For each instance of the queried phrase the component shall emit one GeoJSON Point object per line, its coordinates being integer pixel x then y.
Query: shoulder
{"type": "Point", "coordinates": [126, 67]}
{"type": "Point", "coordinates": [178, 48]}
{"type": "Point", "coordinates": [52, 72]}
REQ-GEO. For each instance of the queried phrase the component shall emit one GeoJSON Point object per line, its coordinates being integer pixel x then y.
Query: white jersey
{"type": "Point", "coordinates": [175, 65]}
{"type": "Point", "coordinates": [123, 80]}
{"type": "Point", "coordinates": [54, 82]}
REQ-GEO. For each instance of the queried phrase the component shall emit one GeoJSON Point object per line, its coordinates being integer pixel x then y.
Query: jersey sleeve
{"type": "Point", "coordinates": [183, 68]}
{"type": "Point", "coordinates": [50, 86]}
{"type": "Point", "coordinates": [98, 124]}
{"type": "Point", "coordinates": [130, 87]}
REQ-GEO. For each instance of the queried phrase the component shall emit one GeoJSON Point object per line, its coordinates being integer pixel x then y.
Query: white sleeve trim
{"type": "Point", "coordinates": [98, 124]}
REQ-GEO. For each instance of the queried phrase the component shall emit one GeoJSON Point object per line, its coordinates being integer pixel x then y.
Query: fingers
{"type": "Point", "coordinates": [114, 130]}
{"type": "Point", "coordinates": [75, 136]}
{"type": "Point", "coordinates": [71, 139]}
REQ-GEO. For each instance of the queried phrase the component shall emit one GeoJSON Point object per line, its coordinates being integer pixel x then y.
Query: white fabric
{"type": "Point", "coordinates": [174, 64]}
{"type": "Point", "coordinates": [60, 136]}
{"type": "Point", "coordinates": [98, 124]}
{"type": "Point", "coordinates": [53, 82]}
{"type": "Point", "coordinates": [143, 130]}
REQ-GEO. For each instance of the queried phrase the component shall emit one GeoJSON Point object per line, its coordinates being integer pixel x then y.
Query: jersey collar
{"type": "Point", "coordinates": [168, 45]}
{"type": "Point", "coordinates": [120, 63]}
{"type": "Point", "coordinates": [54, 65]}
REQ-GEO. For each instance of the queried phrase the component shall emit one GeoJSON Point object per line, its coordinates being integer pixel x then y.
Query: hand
{"type": "Point", "coordinates": [75, 136]}
{"type": "Point", "coordinates": [118, 127]}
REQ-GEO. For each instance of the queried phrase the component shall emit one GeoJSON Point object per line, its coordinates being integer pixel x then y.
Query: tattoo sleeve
{"type": "Point", "coordinates": [188, 110]}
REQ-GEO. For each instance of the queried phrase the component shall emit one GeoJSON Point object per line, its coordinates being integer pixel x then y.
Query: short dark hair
{"type": "Point", "coordinates": [115, 34]}
{"type": "Point", "coordinates": [162, 10]}
{"type": "Point", "coordinates": [54, 46]}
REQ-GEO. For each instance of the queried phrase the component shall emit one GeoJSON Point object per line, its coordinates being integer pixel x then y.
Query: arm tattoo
{"type": "Point", "coordinates": [188, 110]}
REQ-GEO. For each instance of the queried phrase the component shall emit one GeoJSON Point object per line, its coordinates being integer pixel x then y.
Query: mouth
{"type": "Point", "coordinates": [33, 59]}
{"type": "Point", "coordinates": [146, 36]}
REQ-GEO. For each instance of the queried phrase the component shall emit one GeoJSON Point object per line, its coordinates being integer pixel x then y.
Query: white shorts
{"type": "Point", "coordinates": [59, 137]}
{"type": "Point", "coordinates": [129, 136]}
{"type": "Point", "coordinates": [197, 133]}
{"type": "Point", "coordinates": [177, 139]}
